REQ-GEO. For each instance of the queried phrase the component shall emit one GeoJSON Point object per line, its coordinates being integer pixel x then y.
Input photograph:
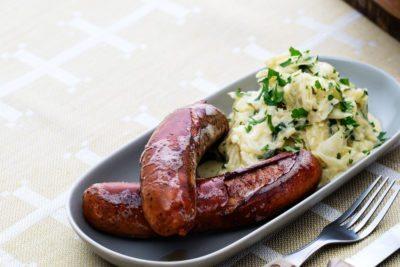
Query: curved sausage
{"type": "Point", "coordinates": [116, 208]}
{"type": "Point", "coordinates": [227, 201]}
{"type": "Point", "coordinates": [169, 162]}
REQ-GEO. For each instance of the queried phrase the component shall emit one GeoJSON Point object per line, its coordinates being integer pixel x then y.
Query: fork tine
{"type": "Point", "coordinates": [357, 203]}
{"type": "Point", "coordinates": [355, 218]}
{"type": "Point", "coordinates": [380, 215]}
{"type": "Point", "coordinates": [372, 211]}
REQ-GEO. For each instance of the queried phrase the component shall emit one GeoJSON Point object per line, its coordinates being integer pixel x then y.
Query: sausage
{"type": "Point", "coordinates": [169, 162]}
{"type": "Point", "coordinates": [224, 202]}
{"type": "Point", "coordinates": [259, 192]}
{"type": "Point", "coordinates": [116, 208]}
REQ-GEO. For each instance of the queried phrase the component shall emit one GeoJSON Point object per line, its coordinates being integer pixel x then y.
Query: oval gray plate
{"type": "Point", "coordinates": [207, 249]}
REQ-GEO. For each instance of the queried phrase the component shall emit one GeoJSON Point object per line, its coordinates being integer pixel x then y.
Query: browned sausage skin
{"type": "Point", "coordinates": [261, 191]}
{"type": "Point", "coordinates": [116, 208]}
{"type": "Point", "coordinates": [168, 166]}
{"type": "Point", "coordinates": [223, 202]}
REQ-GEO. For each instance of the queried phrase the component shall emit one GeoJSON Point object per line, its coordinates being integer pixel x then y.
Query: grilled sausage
{"type": "Point", "coordinates": [227, 201]}
{"type": "Point", "coordinates": [169, 162]}
{"type": "Point", "coordinates": [116, 208]}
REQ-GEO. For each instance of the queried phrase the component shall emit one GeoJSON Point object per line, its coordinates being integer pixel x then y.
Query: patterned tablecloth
{"type": "Point", "coordinates": [79, 79]}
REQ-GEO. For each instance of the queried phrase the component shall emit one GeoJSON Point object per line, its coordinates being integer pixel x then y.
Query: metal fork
{"type": "Point", "coordinates": [351, 226]}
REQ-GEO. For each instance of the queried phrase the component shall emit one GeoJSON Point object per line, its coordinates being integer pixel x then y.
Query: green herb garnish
{"type": "Point", "coordinates": [345, 106]}
{"type": "Point", "coordinates": [349, 121]}
{"type": "Point", "coordinates": [277, 75]}
{"type": "Point", "coordinates": [318, 85]}
{"type": "Point", "coordinates": [301, 127]}
{"type": "Point", "coordinates": [304, 68]}
{"type": "Point", "coordinates": [273, 97]}
{"type": "Point", "coordinates": [330, 97]}
{"type": "Point", "coordinates": [345, 81]}
{"type": "Point", "coordinates": [239, 92]}
{"type": "Point", "coordinates": [298, 113]}
{"type": "Point", "coordinates": [265, 148]}
{"type": "Point", "coordinates": [331, 122]}
{"type": "Point", "coordinates": [267, 154]}
{"type": "Point", "coordinates": [291, 148]}
{"type": "Point", "coordinates": [274, 129]}
{"type": "Point", "coordinates": [382, 137]}
{"type": "Point", "coordinates": [248, 128]}
{"type": "Point", "coordinates": [294, 52]}
{"type": "Point", "coordinates": [286, 63]}
{"type": "Point", "coordinates": [366, 152]}
{"type": "Point", "coordinates": [253, 122]}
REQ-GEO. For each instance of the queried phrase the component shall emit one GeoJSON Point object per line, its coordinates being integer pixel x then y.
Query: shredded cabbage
{"type": "Point", "coordinates": [301, 103]}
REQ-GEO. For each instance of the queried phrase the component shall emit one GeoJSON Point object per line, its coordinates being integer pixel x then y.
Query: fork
{"type": "Point", "coordinates": [351, 226]}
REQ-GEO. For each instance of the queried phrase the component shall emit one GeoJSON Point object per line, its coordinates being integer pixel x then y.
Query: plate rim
{"type": "Point", "coordinates": [240, 243]}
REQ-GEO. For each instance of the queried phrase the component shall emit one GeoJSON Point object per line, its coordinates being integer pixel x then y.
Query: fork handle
{"type": "Point", "coordinates": [280, 263]}
{"type": "Point", "coordinates": [298, 257]}
{"type": "Point", "coordinates": [339, 263]}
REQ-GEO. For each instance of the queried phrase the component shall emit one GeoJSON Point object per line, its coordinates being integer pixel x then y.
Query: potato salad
{"type": "Point", "coordinates": [301, 103]}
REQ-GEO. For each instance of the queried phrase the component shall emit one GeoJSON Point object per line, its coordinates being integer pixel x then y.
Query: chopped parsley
{"type": "Point", "coordinates": [265, 148]}
{"type": "Point", "coordinates": [382, 137]}
{"type": "Point", "coordinates": [345, 81]}
{"type": "Point", "coordinates": [248, 128]}
{"type": "Point", "coordinates": [274, 73]}
{"type": "Point", "coordinates": [349, 121]}
{"type": "Point", "coordinates": [274, 129]}
{"type": "Point", "coordinates": [239, 92]}
{"type": "Point", "coordinates": [294, 52]}
{"type": "Point", "coordinates": [304, 68]}
{"type": "Point", "coordinates": [301, 127]}
{"type": "Point", "coordinates": [338, 156]}
{"type": "Point", "coordinates": [330, 97]}
{"type": "Point", "coordinates": [298, 113]}
{"type": "Point", "coordinates": [337, 88]}
{"type": "Point", "coordinates": [345, 106]}
{"type": "Point", "coordinates": [298, 140]}
{"type": "Point", "coordinates": [286, 63]}
{"type": "Point", "coordinates": [318, 85]}
{"type": "Point", "coordinates": [267, 154]}
{"type": "Point", "coordinates": [351, 161]}
{"type": "Point", "coordinates": [332, 122]}
{"type": "Point", "coordinates": [366, 152]}
{"type": "Point", "coordinates": [291, 148]}
{"type": "Point", "coordinates": [272, 96]}
{"type": "Point", "coordinates": [270, 125]}
{"type": "Point", "coordinates": [253, 121]}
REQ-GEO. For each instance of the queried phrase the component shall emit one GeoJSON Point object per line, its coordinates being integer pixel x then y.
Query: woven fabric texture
{"type": "Point", "coordinates": [79, 79]}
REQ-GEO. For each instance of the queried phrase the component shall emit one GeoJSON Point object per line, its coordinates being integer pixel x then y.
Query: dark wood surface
{"type": "Point", "coordinates": [385, 13]}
